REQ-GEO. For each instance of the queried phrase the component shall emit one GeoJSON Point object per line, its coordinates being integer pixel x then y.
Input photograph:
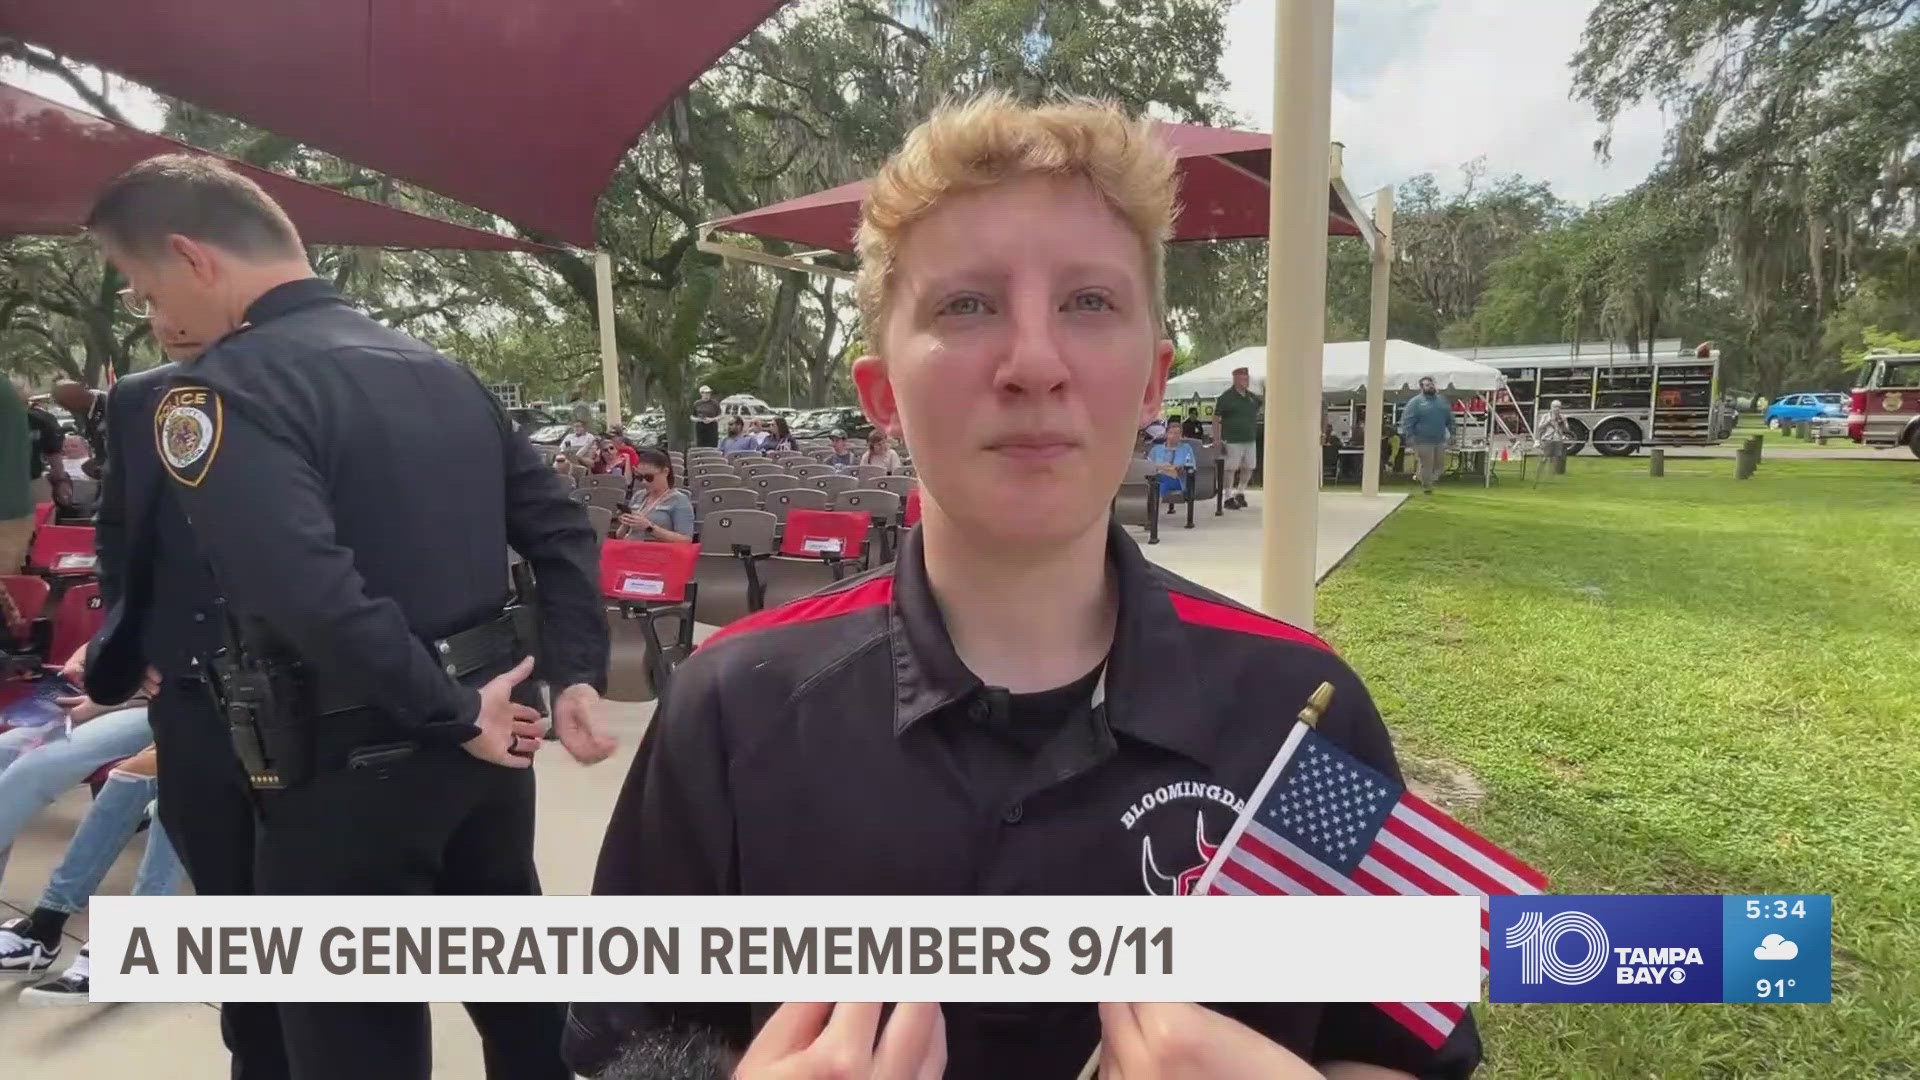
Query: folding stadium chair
{"type": "Point", "coordinates": [817, 548]}
{"type": "Point", "coordinates": [607, 480]}
{"type": "Point", "coordinates": [881, 507]}
{"type": "Point", "coordinates": [808, 469]}
{"type": "Point", "coordinates": [866, 474]}
{"type": "Point", "coordinates": [751, 469]}
{"type": "Point", "coordinates": [711, 502]}
{"type": "Point", "coordinates": [647, 585]}
{"type": "Point", "coordinates": [782, 503]}
{"type": "Point", "coordinates": [706, 482]}
{"type": "Point", "coordinates": [833, 484]}
{"type": "Point", "coordinates": [606, 497]}
{"type": "Point", "coordinates": [1137, 503]}
{"type": "Point", "coordinates": [76, 618]}
{"type": "Point", "coordinates": [766, 483]}
{"type": "Point", "coordinates": [63, 551]}
{"type": "Point", "coordinates": [732, 544]}
{"type": "Point", "coordinates": [602, 519]}
{"type": "Point", "coordinates": [899, 485]}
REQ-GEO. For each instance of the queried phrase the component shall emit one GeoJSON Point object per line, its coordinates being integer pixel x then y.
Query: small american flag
{"type": "Point", "coordinates": [1324, 823]}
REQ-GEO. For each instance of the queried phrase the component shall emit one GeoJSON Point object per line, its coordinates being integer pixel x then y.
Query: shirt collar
{"type": "Point", "coordinates": [1150, 688]}
{"type": "Point", "coordinates": [291, 296]}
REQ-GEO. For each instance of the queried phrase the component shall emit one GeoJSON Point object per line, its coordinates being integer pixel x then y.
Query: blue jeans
{"type": "Point", "coordinates": [38, 765]}
{"type": "Point", "coordinates": [109, 824]}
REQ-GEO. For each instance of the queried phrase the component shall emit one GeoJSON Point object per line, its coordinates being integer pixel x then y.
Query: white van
{"type": "Point", "coordinates": [746, 406]}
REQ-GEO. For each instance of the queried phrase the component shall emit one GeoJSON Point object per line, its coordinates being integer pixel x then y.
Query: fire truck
{"type": "Point", "coordinates": [1616, 398]}
{"type": "Point", "coordinates": [1886, 410]}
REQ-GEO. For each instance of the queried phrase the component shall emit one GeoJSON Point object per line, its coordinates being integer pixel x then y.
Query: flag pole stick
{"type": "Point", "coordinates": [1309, 716]}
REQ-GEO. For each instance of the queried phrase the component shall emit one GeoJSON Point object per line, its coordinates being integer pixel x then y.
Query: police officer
{"type": "Point", "coordinates": [271, 553]}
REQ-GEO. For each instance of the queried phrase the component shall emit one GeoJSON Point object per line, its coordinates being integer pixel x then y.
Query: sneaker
{"type": "Point", "coordinates": [21, 956]}
{"type": "Point", "coordinates": [69, 989]}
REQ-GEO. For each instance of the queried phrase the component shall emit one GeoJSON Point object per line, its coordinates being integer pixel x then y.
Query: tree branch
{"type": "Point", "coordinates": [56, 66]}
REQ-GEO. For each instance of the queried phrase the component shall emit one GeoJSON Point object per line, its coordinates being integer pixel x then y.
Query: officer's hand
{"type": "Point", "coordinates": [1152, 1041]}
{"type": "Point", "coordinates": [505, 725]}
{"type": "Point", "coordinates": [75, 669]}
{"type": "Point", "coordinates": [573, 720]}
{"type": "Point", "coordinates": [807, 1040]}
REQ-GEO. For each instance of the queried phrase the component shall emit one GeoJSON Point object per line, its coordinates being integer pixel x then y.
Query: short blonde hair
{"type": "Point", "coordinates": [992, 139]}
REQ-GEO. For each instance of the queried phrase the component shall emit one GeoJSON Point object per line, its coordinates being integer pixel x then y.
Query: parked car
{"type": "Point", "coordinates": [819, 423]}
{"type": "Point", "coordinates": [1828, 411]}
{"type": "Point", "coordinates": [542, 429]}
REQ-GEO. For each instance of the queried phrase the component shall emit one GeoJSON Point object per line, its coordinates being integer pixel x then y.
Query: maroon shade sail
{"type": "Point", "coordinates": [54, 160]}
{"type": "Point", "coordinates": [520, 107]}
{"type": "Point", "coordinates": [1223, 196]}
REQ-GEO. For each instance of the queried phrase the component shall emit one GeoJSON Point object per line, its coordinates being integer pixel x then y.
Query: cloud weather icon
{"type": "Point", "coordinates": [1775, 947]}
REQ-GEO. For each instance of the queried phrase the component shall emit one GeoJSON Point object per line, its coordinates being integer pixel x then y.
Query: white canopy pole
{"type": "Point", "coordinates": [609, 354]}
{"type": "Point", "coordinates": [1377, 341]}
{"type": "Point", "coordinates": [1296, 304]}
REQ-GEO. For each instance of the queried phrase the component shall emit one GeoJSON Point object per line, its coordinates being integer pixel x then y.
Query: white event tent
{"type": "Point", "coordinates": [1343, 373]}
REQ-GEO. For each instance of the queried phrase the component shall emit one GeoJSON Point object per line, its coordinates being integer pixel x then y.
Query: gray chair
{"type": "Point", "coordinates": [751, 469]}
{"type": "Point", "coordinates": [706, 482]}
{"type": "Point", "coordinates": [809, 469]}
{"type": "Point", "coordinates": [900, 485]}
{"type": "Point", "coordinates": [724, 498]}
{"type": "Point", "coordinates": [732, 545]}
{"type": "Point", "coordinates": [865, 473]}
{"type": "Point", "coordinates": [833, 483]}
{"type": "Point", "coordinates": [882, 505]}
{"type": "Point", "coordinates": [593, 480]}
{"type": "Point", "coordinates": [1206, 471]}
{"type": "Point", "coordinates": [1137, 503]}
{"type": "Point", "coordinates": [796, 498]}
{"type": "Point", "coordinates": [605, 496]}
{"type": "Point", "coordinates": [770, 482]}
{"type": "Point", "coordinates": [645, 643]}
{"type": "Point", "coordinates": [602, 519]}
{"type": "Point", "coordinates": [821, 456]}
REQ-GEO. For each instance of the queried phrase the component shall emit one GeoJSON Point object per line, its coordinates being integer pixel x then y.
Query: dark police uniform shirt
{"type": "Point", "coordinates": [282, 445]}
{"type": "Point", "coordinates": [154, 580]}
{"type": "Point", "coordinates": [838, 745]}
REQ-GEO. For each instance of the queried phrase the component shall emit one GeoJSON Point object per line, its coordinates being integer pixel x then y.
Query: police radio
{"type": "Point", "coordinates": [244, 687]}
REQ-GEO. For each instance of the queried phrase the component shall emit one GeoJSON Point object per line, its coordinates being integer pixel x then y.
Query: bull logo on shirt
{"type": "Point", "coordinates": [1182, 883]}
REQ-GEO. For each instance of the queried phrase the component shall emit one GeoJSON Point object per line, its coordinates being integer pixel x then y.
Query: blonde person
{"type": "Point", "coordinates": [1010, 684]}
{"type": "Point", "coordinates": [881, 454]}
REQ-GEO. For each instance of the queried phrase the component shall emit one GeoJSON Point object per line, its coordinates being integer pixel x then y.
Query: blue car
{"type": "Point", "coordinates": [1825, 410]}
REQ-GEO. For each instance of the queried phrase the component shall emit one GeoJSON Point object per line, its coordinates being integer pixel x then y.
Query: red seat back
{"type": "Point", "coordinates": [643, 572]}
{"type": "Point", "coordinates": [63, 549]}
{"type": "Point", "coordinates": [29, 595]}
{"type": "Point", "coordinates": [825, 532]}
{"type": "Point", "coordinates": [913, 507]}
{"type": "Point", "coordinates": [75, 620]}
{"type": "Point", "coordinates": [42, 514]}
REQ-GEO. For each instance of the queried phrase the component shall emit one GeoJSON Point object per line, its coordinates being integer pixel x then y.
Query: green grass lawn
{"type": "Point", "coordinates": [1681, 684]}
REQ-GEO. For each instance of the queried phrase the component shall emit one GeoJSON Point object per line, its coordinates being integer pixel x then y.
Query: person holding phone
{"type": "Point", "coordinates": [661, 511]}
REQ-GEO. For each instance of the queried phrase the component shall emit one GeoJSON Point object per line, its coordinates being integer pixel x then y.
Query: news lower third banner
{"type": "Point", "coordinates": [1661, 948]}
{"type": "Point", "coordinates": [786, 948]}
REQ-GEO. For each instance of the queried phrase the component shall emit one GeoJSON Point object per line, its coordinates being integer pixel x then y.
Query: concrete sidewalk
{"type": "Point", "coordinates": [182, 1042]}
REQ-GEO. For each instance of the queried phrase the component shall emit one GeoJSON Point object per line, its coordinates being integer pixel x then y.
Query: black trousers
{"type": "Point", "coordinates": [438, 823]}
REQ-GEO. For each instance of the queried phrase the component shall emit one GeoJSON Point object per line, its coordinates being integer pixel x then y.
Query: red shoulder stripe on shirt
{"type": "Point", "coordinates": [1200, 612]}
{"type": "Point", "coordinates": [867, 594]}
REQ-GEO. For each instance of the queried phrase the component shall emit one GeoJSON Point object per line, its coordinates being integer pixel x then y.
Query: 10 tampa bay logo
{"type": "Point", "coordinates": [1605, 948]}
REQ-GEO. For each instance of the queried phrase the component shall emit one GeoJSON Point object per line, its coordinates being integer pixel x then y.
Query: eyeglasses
{"type": "Point", "coordinates": [646, 477]}
{"type": "Point", "coordinates": [138, 306]}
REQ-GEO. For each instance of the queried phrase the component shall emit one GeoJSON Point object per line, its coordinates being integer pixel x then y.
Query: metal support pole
{"type": "Point", "coordinates": [609, 354]}
{"type": "Point", "coordinates": [1377, 341]}
{"type": "Point", "coordinates": [1296, 305]}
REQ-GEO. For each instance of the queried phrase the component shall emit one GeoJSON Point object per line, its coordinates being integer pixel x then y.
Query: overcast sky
{"type": "Point", "coordinates": [1428, 85]}
{"type": "Point", "coordinates": [1419, 86]}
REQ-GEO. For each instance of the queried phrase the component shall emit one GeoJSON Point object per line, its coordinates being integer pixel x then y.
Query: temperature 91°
{"type": "Point", "coordinates": [1774, 988]}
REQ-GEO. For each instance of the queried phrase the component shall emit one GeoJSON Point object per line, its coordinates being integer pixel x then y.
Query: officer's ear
{"type": "Point", "coordinates": [876, 393]}
{"type": "Point", "coordinates": [200, 260]}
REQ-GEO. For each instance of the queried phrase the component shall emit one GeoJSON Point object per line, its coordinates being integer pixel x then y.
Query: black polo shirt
{"type": "Point", "coordinates": [838, 745]}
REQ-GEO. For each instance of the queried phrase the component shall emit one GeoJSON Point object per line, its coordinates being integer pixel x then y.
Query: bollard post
{"type": "Point", "coordinates": [1657, 462]}
{"type": "Point", "coordinates": [1820, 435]}
{"type": "Point", "coordinates": [1755, 448]}
{"type": "Point", "coordinates": [1743, 462]}
{"type": "Point", "coordinates": [1560, 463]}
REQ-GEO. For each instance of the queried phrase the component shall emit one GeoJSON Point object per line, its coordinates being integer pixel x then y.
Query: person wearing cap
{"type": "Point", "coordinates": [706, 419]}
{"type": "Point", "coordinates": [1236, 417]}
{"type": "Point", "coordinates": [1019, 703]}
{"type": "Point", "coordinates": [1553, 433]}
{"type": "Point", "coordinates": [843, 456]}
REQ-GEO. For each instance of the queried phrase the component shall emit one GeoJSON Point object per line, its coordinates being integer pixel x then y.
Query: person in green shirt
{"type": "Point", "coordinates": [16, 479]}
{"type": "Point", "coordinates": [1235, 415]}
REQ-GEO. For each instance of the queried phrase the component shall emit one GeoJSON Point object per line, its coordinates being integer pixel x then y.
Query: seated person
{"type": "Point", "coordinates": [609, 461]}
{"type": "Point", "coordinates": [39, 764]}
{"type": "Point", "coordinates": [843, 455]}
{"type": "Point", "coordinates": [879, 453]}
{"type": "Point", "coordinates": [1193, 427]}
{"type": "Point", "coordinates": [30, 944]}
{"type": "Point", "coordinates": [661, 511]}
{"type": "Point", "coordinates": [737, 440]}
{"type": "Point", "coordinates": [1174, 455]}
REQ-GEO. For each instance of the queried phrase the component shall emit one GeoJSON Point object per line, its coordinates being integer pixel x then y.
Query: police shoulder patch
{"type": "Point", "coordinates": [186, 431]}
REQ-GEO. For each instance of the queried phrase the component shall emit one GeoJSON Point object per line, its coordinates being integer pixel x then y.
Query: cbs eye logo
{"type": "Point", "coordinates": [1538, 939]}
